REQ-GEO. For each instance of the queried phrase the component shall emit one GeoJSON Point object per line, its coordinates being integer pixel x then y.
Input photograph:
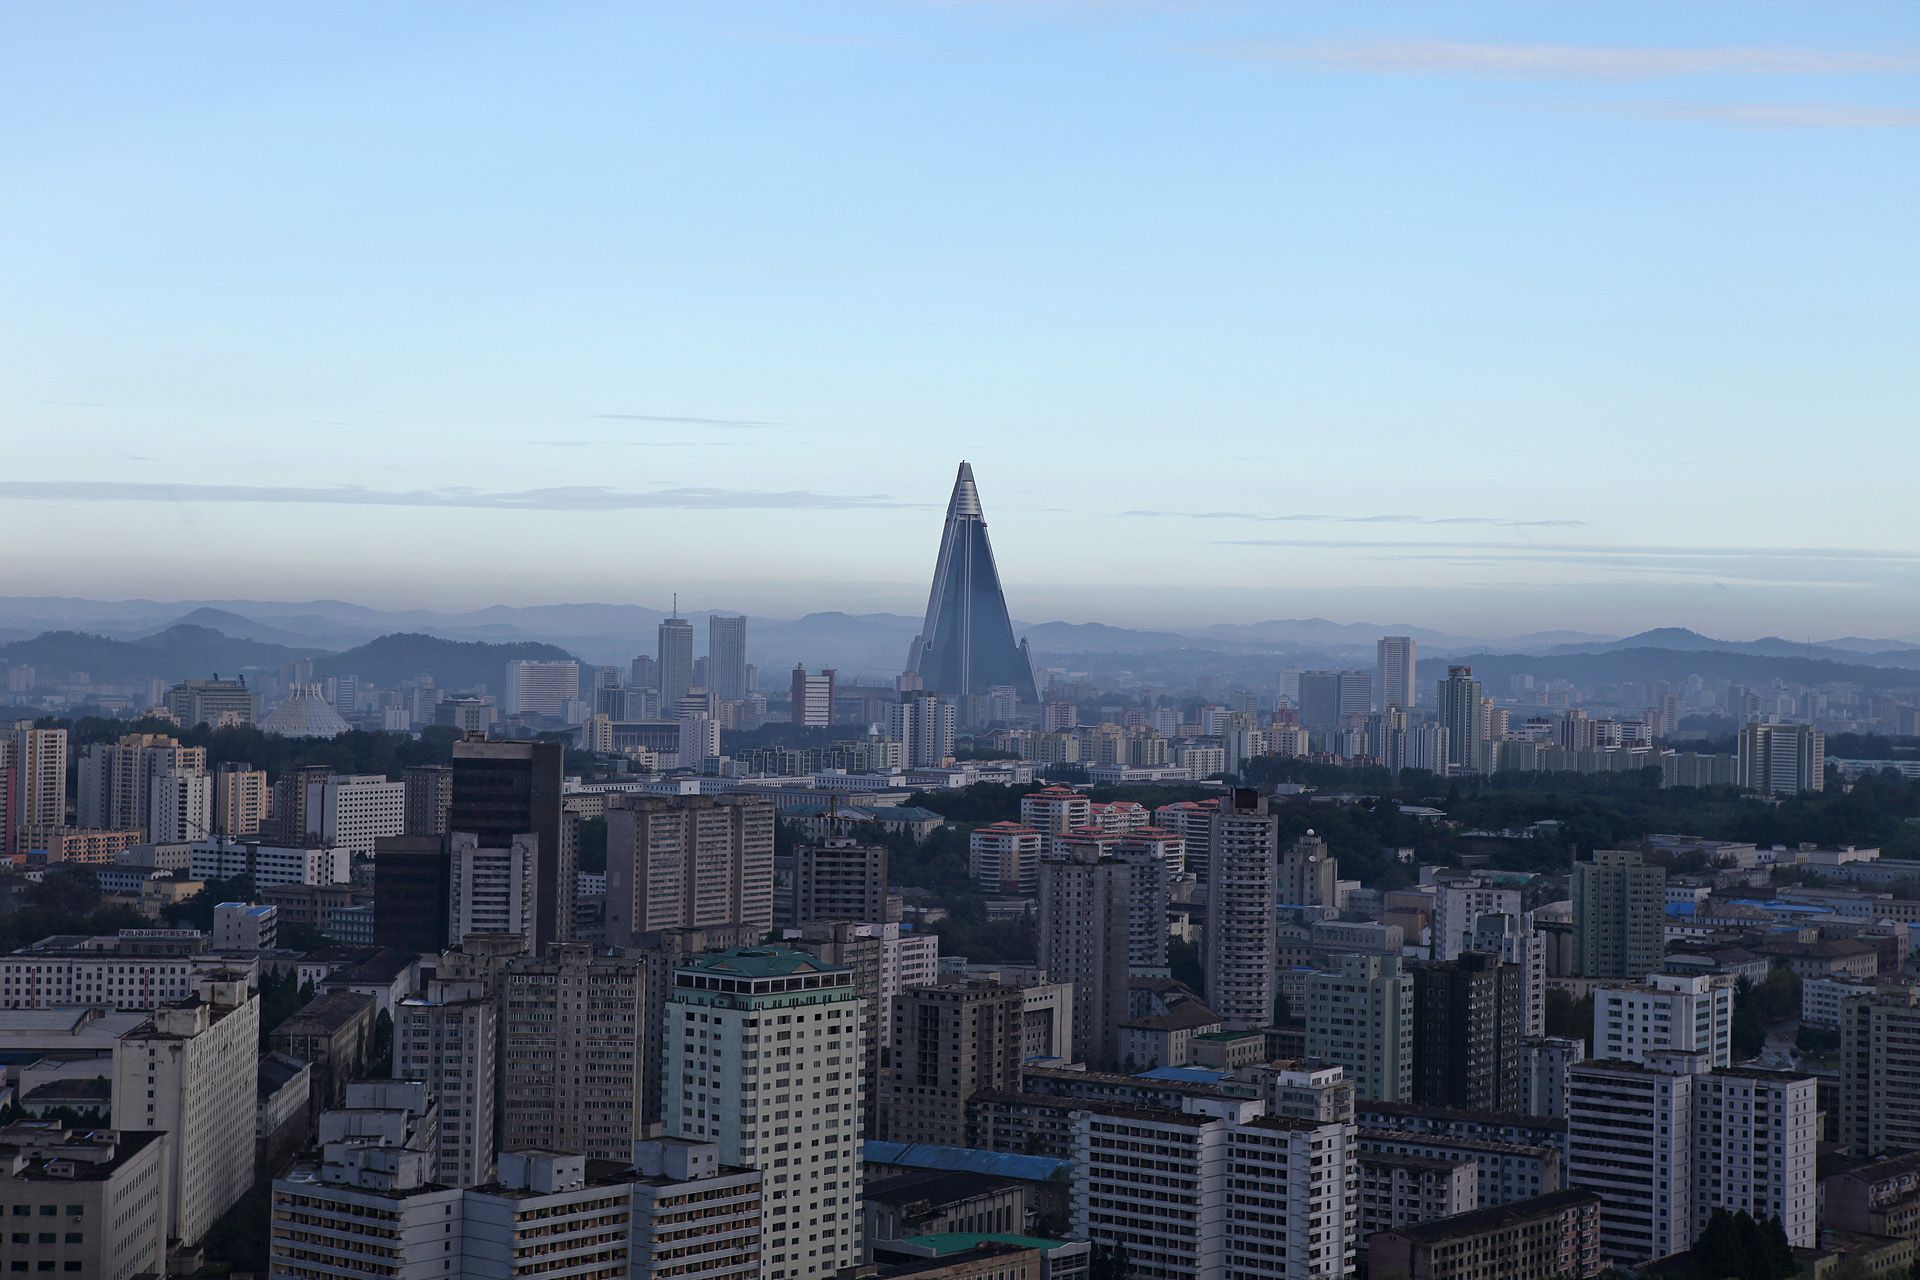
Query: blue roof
{"type": "Point", "coordinates": [925, 1155]}
{"type": "Point", "coordinates": [1183, 1075]}
{"type": "Point", "coordinates": [1682, 908]}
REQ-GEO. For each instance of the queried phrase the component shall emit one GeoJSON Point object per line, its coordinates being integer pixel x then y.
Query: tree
{"type": "Point", "coordinates": [1183, 962]}
{"type": "Point", "coordinates": [1749, 1030]}
{"type": "Point", "coordinates": [1109, 1262]}
{"type": "Point", "coordinates": [1567, 1017]}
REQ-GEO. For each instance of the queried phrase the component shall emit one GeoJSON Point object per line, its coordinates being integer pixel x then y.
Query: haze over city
{"type": "Point", "coordinates": [1493, 318]}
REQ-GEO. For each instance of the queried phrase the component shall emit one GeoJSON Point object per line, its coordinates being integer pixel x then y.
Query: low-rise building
{"type": "Point", "coordinates": [89, 1203]}
{"type": "Point", "coordinates": [1544, 1238]}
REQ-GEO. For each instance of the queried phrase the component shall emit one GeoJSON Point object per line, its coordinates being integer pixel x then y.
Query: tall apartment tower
{"type": "Point", "coordinates": [39, 761]}
{"type": "Point", "coordinates": [1470, 1015]}
{"type": "Point", "coordinates": [663, 953]}
{"type": "Point", "coordinates": [1085, 901]}
{"type": "Point", "coordinates": [240, 800]}
{"type": "Point", "coordinates": [1457, 708]}
{"type": "Point", "coordinates": [727, 657]}
{"type": "Point", "coordinates": [1880, 1071]}
{"type": "Point", "coordinates": [683, 862]}
{"type": "Point", "coordinates": [839, 879]}
{"type": "Point", "coordinates": [114, 782]}
{"type": "Point", "coordinates": [1667, 1142]}
{"type": "Point", "coordinates": [507, 789]}
{"type": "Point", "coordinates": [449, 1039]}
{"type": "Point", "coordinates": [924, 726]}
{"type": "Point", "coordinates": [812, 696]}
{"type": "Point", "coordinates": [1242, 950]}
{"type": "Point", "coordinates": [191, 1071]}
{"type": "Point", "coordinates": [950, 1041]}
{"type": "Point", "coordinates": [1781, 759]}
{"type": "Point", "coordinates": [1394, 682]}
{"type": "Point", "coordinates": [1668, 1012]}
{"type": "Point", "coordinates": [1150, 855]}
{"type": "Point", "coordinates": [676, 660]}
{"type": "Point", "coordinates": [1362, 1018]}
{"type": "Point", "coordinates": [572, 1035]}
{"type": "Point", "coordinates": [429, 799]}
{"type": "Point", "coordinates": [489, 890]}
{"type": "Point", "coordinates": [725, 1018]}
{"type": "Point", "coordinates": [1619, 916]}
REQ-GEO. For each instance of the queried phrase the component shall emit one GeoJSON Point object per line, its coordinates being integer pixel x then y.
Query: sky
{"type": "Point", "coordinates": [1487, 317]}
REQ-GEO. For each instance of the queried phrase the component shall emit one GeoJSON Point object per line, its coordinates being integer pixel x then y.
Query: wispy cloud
{"type": "Point", "coordinates": [568, 498]}
{"type": "Point", "coordinates": [1265, 518]}
{"type": "Point", "coordinates": [1781, 115]}
{"type": "Point", "coordinates": [725, 424]}
{"type": "Point", "coordinates": [640, 444]}
{"type": "Point", "coordinates": [1568, 61]}
{"type": "Point", "coordinates": [1578, 552]}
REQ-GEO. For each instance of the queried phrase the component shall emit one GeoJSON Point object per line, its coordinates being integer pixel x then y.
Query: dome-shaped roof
{"type": "Point", "coordinates": [305, 715]}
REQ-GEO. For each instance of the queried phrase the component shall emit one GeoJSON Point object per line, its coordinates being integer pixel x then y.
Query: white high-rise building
{"type": "Point", "coordinates": [38, 758]}
{"type": "Point", "coordinates": [537, 688]}
{"type": "Point", "coordinates": [699, 739]}
{"type": "Point", "coordinates": [764, 1052]}
{"type": "Point", "coordinates": [1233, 1192]}
{"type": "Point", "coordinates": [114, 781]}
{"type": "Point", "coordinates": [675, 668]}
{"type": "Point", "coordinates": [179, 806]}
{"type": "Point", "coordinates": [191, 1072]}
{"type": "Point", "coordinates": [1781, 759]}
{"type": "Point", "coordinates": [923, 724]}
{"type": "Point", "coordinates": [448, 1039]}
{"type": "Point", "coordinates": [1668, 1141]}
{"type": "Point", "coordinates": [491, 890]}
{"type": "Point", "coordinates": [1004, 857]}
{"type": "Point", "coordinates": [1545, 1062]}
{"type": "Point", "coordinates": [1243, 883]}
{"type": "Point", "coordinates": [1361, 1018]}
{"type": "Point", "coordinates": [727, 658]}
{"type": "Point", "coordinates": [1394, 683]}
{"type": "Point", "coordinates": [1668, 1012]}
{"type": "Point", "coordinates": [352, 810]}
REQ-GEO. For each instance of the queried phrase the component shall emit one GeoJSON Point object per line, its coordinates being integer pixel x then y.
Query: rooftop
{"type": "Point", "coordinates": [945, 1242]}
{"type": "Point", "coordinates": [926, 1155]}
{"type": "Point", "coordinates": [325, 1014]}
{"type": "Point", "coordinates": [1499, 1216]}
{"type": "Point", "coordinates": [937, 1188]}
{"type": "Point", "coordinates": [988, 1248]}
{"type": "Point", "coordinates": [759, 962]}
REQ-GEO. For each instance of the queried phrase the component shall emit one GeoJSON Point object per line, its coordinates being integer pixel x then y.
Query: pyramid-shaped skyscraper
{"type": "Point", "coordinates": [966, 645]}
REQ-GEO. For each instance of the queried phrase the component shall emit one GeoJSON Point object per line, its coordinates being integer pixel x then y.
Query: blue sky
{"type": "Point", "coordinates": [1489, 317]}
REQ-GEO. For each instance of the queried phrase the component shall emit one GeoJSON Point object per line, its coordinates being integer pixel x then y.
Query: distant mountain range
{"type": "Point", "coordinates": [136, 639]}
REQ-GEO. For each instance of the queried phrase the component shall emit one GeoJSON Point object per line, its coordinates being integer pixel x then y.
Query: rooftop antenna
{"type": "Point", "coordinates": [676, 604]}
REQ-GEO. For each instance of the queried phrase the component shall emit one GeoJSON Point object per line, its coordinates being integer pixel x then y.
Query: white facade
{"type": "Point", "coordinates": [39, 760]}
{"type": "Point", "coordinates": [490, 890]}
{"type": "Point", "coordinates": [923, 724]}
{"type": "Point", "coordinates": [1545, 1062]}
{"type": "Point", "coordinates": [102, 978]}
{"type": "Point", "coordinates": [760, 1042]}
{"type": "Point", "coordinates": [180, 807]}
{"type": "Point", "coordinates": [1055, 810]}
{"type": "Point", "coordinates": [268, 864]}
{"type": "Point", "coordinates": [1361, 1018]}
{"type": "Point", "coordinates": [245, 926]}
{"type": "Point", "coordinates": [1666, 1013]}
{"type": "Point", "coordinates": [1004, 857]}
{"type": "Point", "coordinates": [1217, 1191]}
{"type": "Point", "coordinates": [191, 1072]}
{"type": "Point", "coordinates": [352, 810]}
{"type": "Point", "coordinates": [1667, 1142]}
{"type": "Point", "coordinates": [541, 688]}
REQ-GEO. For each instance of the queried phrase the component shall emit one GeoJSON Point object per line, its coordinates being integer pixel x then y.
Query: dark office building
{"type": "Point", "coordinates": [429, 799]}
{"type": "Point", "coordinates": [410, 893]}
{"type": "Point", "coordinates": [505, 789]}
{"type": "Point", "coordinates": [1470, 1016]}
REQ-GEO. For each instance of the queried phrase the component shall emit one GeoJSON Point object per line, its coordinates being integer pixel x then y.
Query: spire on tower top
{"type": "Point", "coordinates": [966, 498]}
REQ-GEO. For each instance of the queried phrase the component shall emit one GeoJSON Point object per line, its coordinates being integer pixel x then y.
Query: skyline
{"type": "Point", "coordinates": [1480, 318]}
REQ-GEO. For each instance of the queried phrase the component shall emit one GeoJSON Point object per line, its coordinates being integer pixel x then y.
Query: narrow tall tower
{"type": "Point", "coordinates": [966, 645]}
